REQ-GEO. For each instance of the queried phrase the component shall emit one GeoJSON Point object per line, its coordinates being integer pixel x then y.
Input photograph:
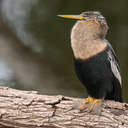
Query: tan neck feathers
{"type": "Point", "coordinates": [84, 41]}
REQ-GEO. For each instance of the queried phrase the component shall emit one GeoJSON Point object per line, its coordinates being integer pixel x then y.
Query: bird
{"type": "Point", "coordinates": [96, 64]}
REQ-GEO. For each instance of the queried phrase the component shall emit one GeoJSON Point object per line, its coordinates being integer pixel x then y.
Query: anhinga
{"type": "Point", "coordinates": [96, 64]}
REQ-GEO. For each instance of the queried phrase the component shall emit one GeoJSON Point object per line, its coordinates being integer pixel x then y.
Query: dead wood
{"type": "Point", "coordinates": [27, 109]}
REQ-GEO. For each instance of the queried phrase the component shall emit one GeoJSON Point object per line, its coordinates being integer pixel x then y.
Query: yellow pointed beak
{"type": "Point", "coordinates": [78, 17]}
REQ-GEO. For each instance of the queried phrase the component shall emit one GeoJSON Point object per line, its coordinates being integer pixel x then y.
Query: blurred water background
{"type": "Point", "coordinates": [42, 57]}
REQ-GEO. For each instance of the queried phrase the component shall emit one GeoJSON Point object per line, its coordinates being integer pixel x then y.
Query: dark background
{"type": "Point", "coordinates": [42, 60]}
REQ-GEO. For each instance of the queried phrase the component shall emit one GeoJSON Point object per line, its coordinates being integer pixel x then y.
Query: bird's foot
{"type": "Point", "coordinates": [91, 104]}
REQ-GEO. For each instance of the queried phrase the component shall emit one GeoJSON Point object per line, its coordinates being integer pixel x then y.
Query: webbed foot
{"type": "Point", "coordinates": [91, 104]}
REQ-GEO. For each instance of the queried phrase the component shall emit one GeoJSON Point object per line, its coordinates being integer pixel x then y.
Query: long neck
{"type": "Point", "coordinates": [85, 40]}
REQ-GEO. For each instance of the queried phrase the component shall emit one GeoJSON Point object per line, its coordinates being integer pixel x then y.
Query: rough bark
{"type": "Point", "coordinates": [24, 109]}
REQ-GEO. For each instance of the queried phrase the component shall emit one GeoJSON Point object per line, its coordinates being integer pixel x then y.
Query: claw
{"type": "Point", "coordinates": [90, 103]}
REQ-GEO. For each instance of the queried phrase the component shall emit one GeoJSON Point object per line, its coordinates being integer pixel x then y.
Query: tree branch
{"type": "Point", "coordinates": [24, 109]}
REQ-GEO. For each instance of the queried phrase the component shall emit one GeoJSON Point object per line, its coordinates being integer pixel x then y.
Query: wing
{"type": "Point", "coordinates": [114, 63]}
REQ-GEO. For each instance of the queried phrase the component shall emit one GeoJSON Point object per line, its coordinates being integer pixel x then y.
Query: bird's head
{"type": "Point", "coordinates": [94, 19]}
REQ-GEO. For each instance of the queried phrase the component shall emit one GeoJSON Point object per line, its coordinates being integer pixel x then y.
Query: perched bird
{"type": "Point", "coordinates": [96, 64]}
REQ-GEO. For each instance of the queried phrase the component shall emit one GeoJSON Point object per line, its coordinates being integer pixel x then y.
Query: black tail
{"type": "Point", "coordinates": [116, 94]}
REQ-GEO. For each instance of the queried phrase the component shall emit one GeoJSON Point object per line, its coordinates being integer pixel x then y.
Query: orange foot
{"type": "Point", "coordinates": [91, 104]}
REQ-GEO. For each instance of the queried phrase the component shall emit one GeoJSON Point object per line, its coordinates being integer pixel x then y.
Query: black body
{"type": "Point", "coordinates": [97, 76]}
